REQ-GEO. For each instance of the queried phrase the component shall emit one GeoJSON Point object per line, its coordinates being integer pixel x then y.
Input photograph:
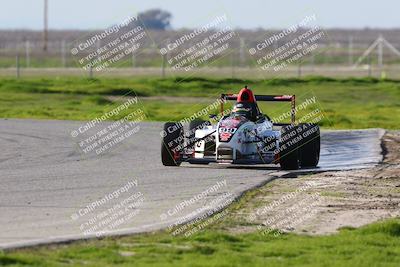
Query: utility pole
{"type": "Point", "coordinates": [27, 53]}
{"type": "Point", "coordinates": [369, 66]}
{"type": "Point", "coordinates": [350, 54]}
{"type": "Point", "coordinates": [299, 70]}
{"type": "Point", "coordinates": [45, 24]}
{"type": "Point", "coordinates": [17, 65]}
{"type": "Point", "coordinates": [63, 56]}
{"type": "Point", "coordinates": [133, 60]}
{"type": "Point", "coordinates": [164, 62]}
{"type": "Point", "coordinates": [380, 52]}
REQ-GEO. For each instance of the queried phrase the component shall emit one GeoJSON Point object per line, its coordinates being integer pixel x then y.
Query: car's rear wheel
{"type": "Point", "coordinates": [310, 148]}
{"type": "Point", "coordinates": [172, 144]}
{"type": "Point", "coordinates": [289, 152]}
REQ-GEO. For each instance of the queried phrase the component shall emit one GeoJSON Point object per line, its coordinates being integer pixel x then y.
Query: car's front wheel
{"type": "Point", "coordinates": [172, 144]}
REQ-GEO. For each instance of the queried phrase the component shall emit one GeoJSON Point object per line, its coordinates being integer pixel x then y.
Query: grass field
{"type": "Point", "coordinates": [346, 103]}
{"type": "Point", "coordinates": [372, 245]}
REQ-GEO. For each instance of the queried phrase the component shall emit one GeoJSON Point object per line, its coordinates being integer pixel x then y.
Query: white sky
{"type": "Point", "coordinates": [84, 14]}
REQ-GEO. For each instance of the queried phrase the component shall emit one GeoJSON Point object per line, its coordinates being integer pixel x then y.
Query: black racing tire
{"type": "Point", "coordinates": [311, 145]}
{"type": "Point", "coordinates": [289, 152]}
{"type": "Point", "coordinates": [176, 137]}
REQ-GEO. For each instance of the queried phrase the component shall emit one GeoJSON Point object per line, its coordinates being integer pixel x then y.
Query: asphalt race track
{"type": "Point", "coordinates": [46, 182]}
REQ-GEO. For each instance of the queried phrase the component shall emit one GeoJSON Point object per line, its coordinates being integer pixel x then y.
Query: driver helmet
{"type": "Point", "coordinates": [242, 109]}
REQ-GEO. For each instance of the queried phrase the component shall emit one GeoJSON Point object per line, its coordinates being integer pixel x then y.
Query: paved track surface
{"type": "Point", "coordinates": [46, 182]}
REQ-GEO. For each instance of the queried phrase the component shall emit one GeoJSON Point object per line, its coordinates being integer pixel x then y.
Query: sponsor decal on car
{"type": "Point", "coordinates": [227, 130]}
{"type": "Point", "coordinates": [225, 134]}
{"type": "Point", "coordinates": [225, 137]}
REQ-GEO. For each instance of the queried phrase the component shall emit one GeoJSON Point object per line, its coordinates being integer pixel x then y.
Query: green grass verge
{"type": "Point", "coordinates": [373, 245]}
{"type": "Point", "coordinates": [217, 244]}
{"type": "Point", "coordinates": [347, 103]}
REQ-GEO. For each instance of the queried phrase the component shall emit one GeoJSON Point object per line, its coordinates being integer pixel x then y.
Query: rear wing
{"type": "Point", "coordinates": [274, 98]}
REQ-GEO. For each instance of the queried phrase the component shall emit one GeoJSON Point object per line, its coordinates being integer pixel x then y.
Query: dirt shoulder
{"type": "Point", "coordinates": [324, 202]}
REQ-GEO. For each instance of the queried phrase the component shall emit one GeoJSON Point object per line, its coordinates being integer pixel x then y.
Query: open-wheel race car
{"type": "Point", "coordinates": [243, 136]}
